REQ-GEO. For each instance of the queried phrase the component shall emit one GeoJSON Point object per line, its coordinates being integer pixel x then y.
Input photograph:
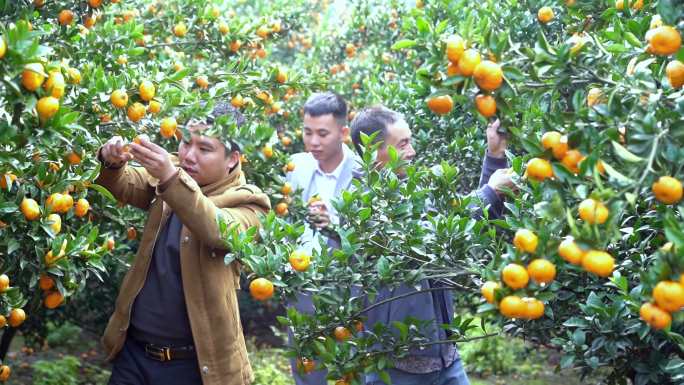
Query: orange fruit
{"type": "Point", "coordinates": [263, 31]}
{"type": "Point", "coordinates": [533, 308]}
{"type": "Point", "coordinates": [571, 160]}
{"type": "Point", "coordinates": [593, 211]}
{"type": "Point", "coordinates": [224, 29]}
{"type": "Point", "coordinates": [267, 150]}
{"type": "Point", "coordinates": [4, 283]}
{"type": "Point", "coordinates": [486, 105]}
{"type": "Point", "coordinates": [675, 73]}
{"type": "Point", "coordinates": [119, 98]}
{"type": "Point", "coordinates": [89, 21]}
{"type": "Point", "coordinates": [488, 289]}
{"type": "Point", "coordinates": [235, 45]}
{"type": "Point", "coordinates": [131, 233]}
{"type": "Point", "coordinates": [570, 251]}
{"type": "Point", "coordinates": [202, 82]}
{"type": "Point", "coordinates": [669, 295]}
{"type": "Point", "coordinates": [95, 3]}
{"type": "Point", "coordinates": [53, 299]}
{"type": "Point", "coordinates": [16, 317]}
{"type": "Point", "coordinates": [440, 105]}
{"type": "Point", "coordinates": [30, 209]}
{"type": "Point", "coordinates": [67, 203]}
{"type": "Point", "coordinates": [237, 101]}
{"type": "Point", "coordinates": [515, 276]}
{"type": "Point", "coordinates": [281, 209]}
{"type": "Point", "coordinates": [545, 14]}
{"type": "Point", "coordinates": [289, 167]}
{"type": "Point", "coordinates": [561, 149]}
{"type": "Point", "coordinates": [46, 282]}
{"type": "Point", "coordinates": [594, 97]}
{"type": "Point", "coordinates": [5, 372]}
{"type": "Point", "coordinates": [342, 333]}
{"type": "Point", "coordinates": [299, 261]}
{"type": "Point", "coordinates": [667, 190]}
{"type": "Point", "coordinates": [286, 189]}
{"type": "Point", "coordinates": [539, 169]}
{"type": "Point", "coordinates": [598, 262]}
{"type": "Point", "coordinates": [654, 316]}
{"type": "Point", "coordinates": [55, 84]}
{"type": "Point", "coordinates": [551, 140]}
{"type": "Point", "coordinates": [664, 41]}
{"type": "Point", "coordinates": [512, 307]}
{"type": "Point", "coordinates": [74, 75]}
{"type": "Point", "coordinates": [47, 107]}
{"type": "Point", "coordinates": [33, 76]}
{"type": "Point", "coordinates": [147, 90]}
{"type": "Point", "coordinates": [6, 180]}
{"type": "Point", "coordinates": [261, 289]}
{"type": "Point", "coordinates": [73, 158]}
{"type": "Point", "coordinates": [154, 107]}
{"type": "Point", "coordinates": [3, 47]}
{"type": "Point", "coordinates": [110, 244]}
{"type": "Point", "coordinates": [350, 50]}
{"type": "Point", "coordinates": [135, 112]}
{"type": "Point", "coordinates": [452, 70]}
{"type": "Point", "coordinates": [281, 77]}
{"type": "Point", "coordinates": [3, 321]}
{"type": "Point", "coordinates": [81, 208]}
{"type": "Point", "coordinates": [55, 223]}
{"type": "Point", "coordinates": [180, 29]}
{"type": "Point", "coordinates": [167, 127]}
{"type": "Point", "coordinates": [541, 271]}
{"type": "Point", "coordinates": [455, 46]}
{"type": "Point", "coordinates": [488, 75]}
{"type": "Point", "coordinates": [468, 62]}
{"type": "Point", "coordinates": [306, 365]}
{"type": "Point", "coordinates": [525, 241]}
{"type": "Point", "coordinates": [65, 17]}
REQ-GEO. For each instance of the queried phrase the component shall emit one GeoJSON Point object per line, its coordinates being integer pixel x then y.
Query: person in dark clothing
{"type": "Point", "coordinates": [437, 364]}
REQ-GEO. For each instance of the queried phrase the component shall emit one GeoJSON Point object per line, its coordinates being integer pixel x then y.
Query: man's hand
{"type": "Point", "coordinates": [154, 158]}
{"type": "Point", "coordinates": [318, 215]}
{"type": "Point", "coordinates": [113, 153]}
{"type": "Point", "coordinates": [496, 143]}
{"type": "Point", "coordinates": [501, 179]}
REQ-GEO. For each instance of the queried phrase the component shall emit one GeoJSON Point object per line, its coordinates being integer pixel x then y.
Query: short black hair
{"type": "Point", "coordinates": [222, 109]}
{"type": "Point", "coordinates": [371, 120]}
{"type": "Point", "coordinates": [324, 103]}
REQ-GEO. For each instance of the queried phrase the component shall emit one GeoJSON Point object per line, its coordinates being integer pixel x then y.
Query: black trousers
{"type": "Point", "coordinates": [132, 367]}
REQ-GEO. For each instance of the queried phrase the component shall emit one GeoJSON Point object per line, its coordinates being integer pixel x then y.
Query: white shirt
{"type": "Point", "coordinates": [324, 185]}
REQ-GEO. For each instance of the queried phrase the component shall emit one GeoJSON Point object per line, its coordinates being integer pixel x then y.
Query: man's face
{"type": "Point", "coordinates": [323, 136]}
{"type": "Point", "coordinates": [398, 136]}
{"type": "Point", "coordinates": [204, 158]}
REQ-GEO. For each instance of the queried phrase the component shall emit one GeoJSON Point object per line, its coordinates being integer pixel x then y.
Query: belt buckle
{"type": "Point", "coordinates": [158, 353]}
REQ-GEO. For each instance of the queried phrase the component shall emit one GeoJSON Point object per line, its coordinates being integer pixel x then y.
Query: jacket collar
{"type": "Point", "coordinates": [234, 178]}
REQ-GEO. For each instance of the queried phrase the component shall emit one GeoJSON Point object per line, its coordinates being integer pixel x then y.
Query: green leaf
{"type": "Point", "coordinates": [625, 154]}
{"type": "Point", "coordinates": [402, 44]}
{"type": "Point", "coordinates": [103, 191]}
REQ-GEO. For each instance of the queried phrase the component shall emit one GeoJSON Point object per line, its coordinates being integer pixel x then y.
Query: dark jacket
{"type": "Point", "coordinates": [436, 306]}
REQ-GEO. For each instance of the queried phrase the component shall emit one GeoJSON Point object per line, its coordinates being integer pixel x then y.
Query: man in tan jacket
{"type": "Point", "coordinates": [176, 319]}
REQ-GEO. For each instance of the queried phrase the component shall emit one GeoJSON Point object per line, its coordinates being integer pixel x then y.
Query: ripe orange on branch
{"type": "Point", "coordinates": [488, 289]}
{"type": "Point", "coordinates": [541, 271]}
{"type": "Point", "coordinates": [667, 190]}
{"type": "Point", "coordinates": [33, 76]}
{"type": "Point", "coordinates": [486, 105]}
{"type": "Point", "coordinates": [599, 263]}
{"type": "Point", "coordinates": [664, 41]}
{"type": "Point", "coordinates": [468, 62]}
{"type": "Point", "coordinates": [526, 241]}
{"type": "Point", "coordinates": [488, 75]}
{"type": "Point", "coordinates": [455, 46]}
{"type": "Point", "coordinates": [593, 211]}
{"type": "Point", "coordinates": [440, 105]}
{"type": "Point", "coordinates": [512, 306]}
{"type": "Point", "coordinates": [261, 289]}
{"type": "Point", "coordinates": [539, 169]}
{"type": "Point", "coordinates": [515, 276]}
{"type": "Point", "coordinates": [654, 316]}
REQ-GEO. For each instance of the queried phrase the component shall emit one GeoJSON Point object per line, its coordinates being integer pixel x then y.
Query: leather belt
{"type": "Point", "coordinates": [167, 353]}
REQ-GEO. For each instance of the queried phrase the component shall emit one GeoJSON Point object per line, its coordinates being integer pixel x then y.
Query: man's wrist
{"type": "Point", "coordinates": [111, 166]}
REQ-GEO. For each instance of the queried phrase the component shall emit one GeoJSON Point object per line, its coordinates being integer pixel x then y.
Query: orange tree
{"type": "Point", "coordinates": [589, 93]}
{"type": "Point", "coordinates": [75, 73]}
